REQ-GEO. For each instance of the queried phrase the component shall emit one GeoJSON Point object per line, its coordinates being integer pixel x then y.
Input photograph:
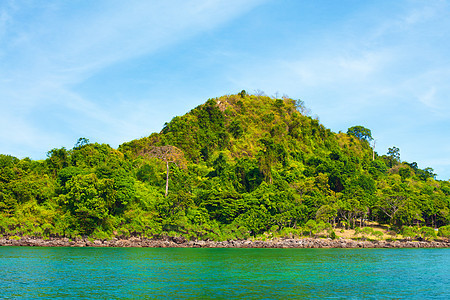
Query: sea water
{"type": "Point", "coordinates": [112, 273]}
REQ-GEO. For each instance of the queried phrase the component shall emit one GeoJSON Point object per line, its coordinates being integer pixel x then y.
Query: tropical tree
{"type": "Point", "coordinates": [168, 154]}
{"type": "Point", "coordinates": [360, 132]}
{"type": "Point", "coordinates": [394, 153]}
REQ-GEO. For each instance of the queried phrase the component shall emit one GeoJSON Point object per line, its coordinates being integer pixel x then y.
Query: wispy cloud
{"type": "Point", "coordinates": [384, 66]}
{"type": "Point", "coordinates": [389, 75]}
{"type": "Point", "coordinates": [50, 48]}
{"type": "Point", "coordinates": [324, 69]}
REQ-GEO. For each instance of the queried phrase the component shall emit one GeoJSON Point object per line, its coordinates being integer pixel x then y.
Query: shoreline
{"type": "Point", "coordinates": [136, 242]}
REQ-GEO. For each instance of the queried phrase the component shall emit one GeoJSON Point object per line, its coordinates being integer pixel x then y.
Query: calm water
{"type": "Point", "coordinates": [224, 273]}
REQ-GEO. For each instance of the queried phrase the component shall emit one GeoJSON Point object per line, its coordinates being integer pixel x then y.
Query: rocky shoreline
{"type": "Point", "coordinates": [181, 243]}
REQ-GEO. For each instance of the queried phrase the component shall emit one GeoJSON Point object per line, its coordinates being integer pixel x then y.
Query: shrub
{"type": "Point", "coordinates": [288, 232]}
{"type": "Point", "coordinates": [378, 234]}
{"type": "Point", "coordinates": [47, 229]}
{"type": "Point", "coordinates": [410, 232]}
{"type": "Point", "coordinates": [333, 235]}
{"type": "Point", "coordinates": [311, 227]}
{"type": "Point", "coordinates": [123, 232]}
{"type": "Point", "coordinates": [428, 233]}
{"type": "Point", "coordinates": [242, 233]}
{"type": "Point", "coordinates": [274, 228]}
{"type": "Point", "coordinates": [367, 230]}
{"type": "Point", "coordinates": [444, 231]}
{"type": "Point", "coordinates": [100, 235]}
{"type": "Point", "coordinates": [38, 231]}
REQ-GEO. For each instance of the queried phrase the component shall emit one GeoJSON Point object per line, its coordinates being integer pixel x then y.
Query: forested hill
{"type": "Point", "coordinates": [235, 167]}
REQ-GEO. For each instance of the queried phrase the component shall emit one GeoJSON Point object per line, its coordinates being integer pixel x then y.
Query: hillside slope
{"type": "Point", "coordinates": [237, 166]}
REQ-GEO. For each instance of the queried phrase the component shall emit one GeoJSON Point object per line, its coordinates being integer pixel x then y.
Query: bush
{"type": "Point", "coordinates": [311, 227]}
{"type": "Point", "coordinates": [274, 229]}
{"type": "Point", "coordinates": [428, 233]}
{"type": "Point", "coordinates": [101, 235]}
{"type": "Point", "coordinates": [123, 232]}
{"type": "Point", "coordinates": [290, 233]}
{"type": "Point", "coordinates": [333, 235]}
{"type": "Point", "coordinates": [47, 229]}
{"type": "Point", "coordinates": [410, 232]}
{"type": "Point", "coordinates": [242, 233]}
{"type": "Point", "coordinates": [38, 231]}
{"type": "Point", "coordinates": [367, 230]}
{"type": "Point", "coordinates": [444, 231]}
{"type": "Point", "coordinates": [378, 234]}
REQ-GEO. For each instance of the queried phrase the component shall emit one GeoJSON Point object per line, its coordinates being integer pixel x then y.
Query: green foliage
{"type": "Point", "coordinates": [428, 233]}
{"type": "Point", "coordinates": [360, 132]}
{"type": "Point", "coordinates": [311, 227]}
{"type": "Point", "coordinates": [410, 232]}
{"type": "Point", "coordinates": [252, 167]}
{"type": "Point", "coordinates": [394, 154]}
{"type": "Point", "coordinates": [378, 234]}
{"type": "Point", "coordinates": [444, 231]}
{"type": "Point", "coordinates": [67, 173]}
{"type": "Point", "coordinates": [333, 235]}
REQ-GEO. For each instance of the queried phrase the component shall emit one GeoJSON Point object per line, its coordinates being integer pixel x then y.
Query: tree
{"type": "Point", "coordinates": [311, 226]}
{"type": "Point", "coordinates": [88, 199]}
{"type": "Point", "coordinates": [235, 129]}
{"type": "Point", "coordinates": [404, 172]}
{"type": "Point", "coordinates": [81, 142]}
{"type": "Point", "coordinates": [393, 201]}
{"type": "Point", "coordinates": [394, 153]}
{"type": "Point", "coordinates": [326, 213]}
{"type": "Point", "coordinates": [300, 106]}
{"type": "Point", "coordinates": [410, 232]}
{"type": "Point", "coordinates": [428, 233]}
{"type": "Point", "coordinates": [57, 159]}
{"type": "Point", "coordinates": [427, 173]}
{"type": "Point", "coordinates": [360, 132]}
{"type": "Point", "coordinates": [267, 158]}
{"type": "Point", "coordinates": [168, 154]}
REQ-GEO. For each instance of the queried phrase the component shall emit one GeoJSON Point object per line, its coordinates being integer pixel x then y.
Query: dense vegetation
{"type": "Point", "coordinates": [235, 167]}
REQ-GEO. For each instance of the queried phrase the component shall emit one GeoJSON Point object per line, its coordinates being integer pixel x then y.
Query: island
{"type": "Point", "coordinates": [239, 170]}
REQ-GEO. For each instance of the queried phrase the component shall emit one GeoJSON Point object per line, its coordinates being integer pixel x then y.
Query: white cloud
{"type": "Point", "coordinates": [325, 68]}
{"type": "Point", "coordinates": [52, 47]}
{"type": "Point", "coordinates": [391, 76]}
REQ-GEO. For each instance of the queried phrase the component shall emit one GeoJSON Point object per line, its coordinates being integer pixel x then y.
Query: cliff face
{"type": "Point", "coordinates": [235, 167]}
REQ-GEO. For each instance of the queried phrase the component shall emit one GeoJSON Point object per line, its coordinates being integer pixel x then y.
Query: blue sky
{"type": "Point", "coordinates": [113, 71]}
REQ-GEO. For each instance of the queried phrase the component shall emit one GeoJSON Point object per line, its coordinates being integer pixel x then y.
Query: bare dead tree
{"type": "Point", "coordinates": [373, 149]}
{"type": "Point", "coordinates": [168, 154]}
{"type": "Point", "coordinates": [259, 93]}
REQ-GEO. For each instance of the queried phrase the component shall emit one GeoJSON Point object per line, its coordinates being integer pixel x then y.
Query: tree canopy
{"type": "Point", "coordinates": [240, 166]}
{"type": "Point", "coordinates": [360, 132]}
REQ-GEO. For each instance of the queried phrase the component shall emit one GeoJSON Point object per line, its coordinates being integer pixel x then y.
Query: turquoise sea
{"type": "Point", "coordinates": [110, 273]}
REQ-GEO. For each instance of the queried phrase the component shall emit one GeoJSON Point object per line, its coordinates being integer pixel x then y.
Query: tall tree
{"type": "Point", "coordinates": [168, 154]}
{"type": "Point", "coordinates": [360, 132]}
{"type": "Point", "coordinates": [394, 153]}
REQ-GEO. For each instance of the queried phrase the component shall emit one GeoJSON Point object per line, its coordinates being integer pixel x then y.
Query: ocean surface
{"type": "Point", "coordinates": [112, 273]}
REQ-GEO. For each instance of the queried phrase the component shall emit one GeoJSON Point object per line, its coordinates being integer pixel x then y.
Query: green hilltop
{"type": "Point", "coordinates": [236, 167]}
